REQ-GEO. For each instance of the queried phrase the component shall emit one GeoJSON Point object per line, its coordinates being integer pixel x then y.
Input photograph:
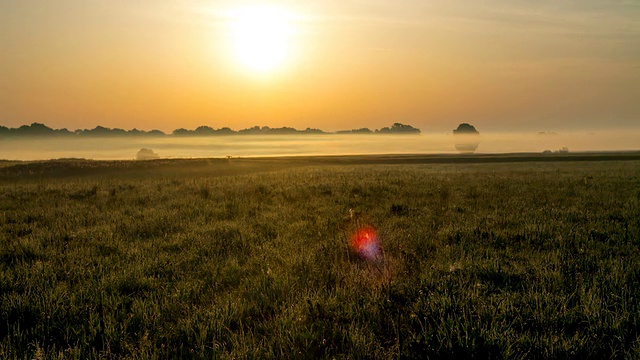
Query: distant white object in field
{"type": "Point", "coordinates": [146, 154]}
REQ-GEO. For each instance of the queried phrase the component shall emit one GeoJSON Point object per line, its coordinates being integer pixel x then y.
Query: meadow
{"type": "Point", "coordinates": [249, 258]}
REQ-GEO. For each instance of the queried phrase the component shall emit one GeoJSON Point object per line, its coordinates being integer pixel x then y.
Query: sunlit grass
{"type": "Point", "coordinates": [215, 259]}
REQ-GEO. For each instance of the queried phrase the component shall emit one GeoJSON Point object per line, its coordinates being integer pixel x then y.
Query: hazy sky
{"type": "Point", "coordinates": [501, 65]}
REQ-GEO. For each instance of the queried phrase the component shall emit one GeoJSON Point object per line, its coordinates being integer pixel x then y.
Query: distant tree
{"type": "Point", "coordinates": [465, 128]}
{"type": "Point", "coordinates": [204, 131]}
{"type": "Point", "coordinates": [313, 131]}
{"type": "Point", "coordinates": [35, 129]}
{"type": "Point", "coordinates": [398, 128]}
{"type": "Point", "coordinates": [182, 132]}
{"type": "Point", "coordinates": [63, 132]}
{"type": "Point", "coordinates": [101, 131]}
{"type": "Point", "coordinates": [156, 133]}
{"type": "Point", "coordinates": [252, 130]}
{"type": "Point", "coordinates": [121, 132]}
{"type": "Point", "coordinates": [283, 130]}
{"type": "Point", "coordinates": [225, 131]}
{"type": "Point", "coordinates": [356, 131]}
{"type": "Point", "coordinates": [467, 140]}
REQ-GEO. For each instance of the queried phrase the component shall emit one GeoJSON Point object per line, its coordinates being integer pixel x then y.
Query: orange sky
{"type": "Point", "coordinates": [503, 65]}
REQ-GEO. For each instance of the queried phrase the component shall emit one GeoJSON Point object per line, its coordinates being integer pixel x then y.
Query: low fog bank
{"type": "Point", "coordinates": [277, 145]}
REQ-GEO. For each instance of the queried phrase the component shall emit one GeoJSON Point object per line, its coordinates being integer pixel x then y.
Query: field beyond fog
{"type": "Point", "coordinates": [249, 258]}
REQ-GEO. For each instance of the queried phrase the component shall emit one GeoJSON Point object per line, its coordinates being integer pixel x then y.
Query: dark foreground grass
{"type": "Point", "coordinates": [511, 261]}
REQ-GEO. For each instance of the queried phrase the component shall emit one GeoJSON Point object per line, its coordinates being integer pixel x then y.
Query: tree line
{"type": "Point", "coordinates": [40, 130]}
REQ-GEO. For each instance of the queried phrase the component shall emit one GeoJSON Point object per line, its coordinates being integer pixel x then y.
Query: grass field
{"type": "Point", "coordinates": [250, 259]}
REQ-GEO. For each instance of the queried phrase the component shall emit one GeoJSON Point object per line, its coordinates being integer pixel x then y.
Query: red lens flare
{"type": "Point", "coordinates": [365, 243]}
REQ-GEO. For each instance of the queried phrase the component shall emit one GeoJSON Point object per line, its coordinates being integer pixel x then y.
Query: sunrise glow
{"type": "Point", "coordinates": [503, 67]}
{"type": "Point", "coordinates": [261, 36]}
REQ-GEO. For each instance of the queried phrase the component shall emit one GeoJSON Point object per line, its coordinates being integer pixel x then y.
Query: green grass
{"type": "Point", "coordinates": [249, 259]}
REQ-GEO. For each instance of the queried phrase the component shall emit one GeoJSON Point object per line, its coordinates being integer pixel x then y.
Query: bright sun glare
{"type": "Point", "coordinates": [262, 36]}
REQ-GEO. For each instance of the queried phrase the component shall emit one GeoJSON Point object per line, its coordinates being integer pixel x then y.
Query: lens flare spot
{"type": "Point", "coordinates": [366, 244]}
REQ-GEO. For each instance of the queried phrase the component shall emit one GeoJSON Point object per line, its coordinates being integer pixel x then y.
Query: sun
{"type": "Point", "coordinates": [261, 37]}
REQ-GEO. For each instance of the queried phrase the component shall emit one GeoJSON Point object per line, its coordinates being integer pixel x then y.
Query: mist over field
{"type": "Point", "coordinates": [326, 144]}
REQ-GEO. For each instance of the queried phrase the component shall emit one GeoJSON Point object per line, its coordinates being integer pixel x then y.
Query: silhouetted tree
{"type": "Point", "coordinates": [225, 131]}
{"type": "Point", "coordinates": [313, 131]}
{"type": "Point", "coordinates": [64, 132]}
{"type": "Point", "coordinates": [465, 128]}
{"type": "Point", "coordinates": [466, 137]}
{"type": "Point", "coordinates": [204, 131]}
{"type": "Point", "coordinates": [101, 131]}
{"type": "Point", "coordinates": [34, 129]}
{"type": "Point", "coordinates": [356, 131]}
{"type": "Point", "coordinates": [398, 128]}
{"type": "Point", "coordinates": [252, 130]}
{"type": "Point", "coordinates": [156, 133]}
{"type": "Point", "coordinates": [182, 132]}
